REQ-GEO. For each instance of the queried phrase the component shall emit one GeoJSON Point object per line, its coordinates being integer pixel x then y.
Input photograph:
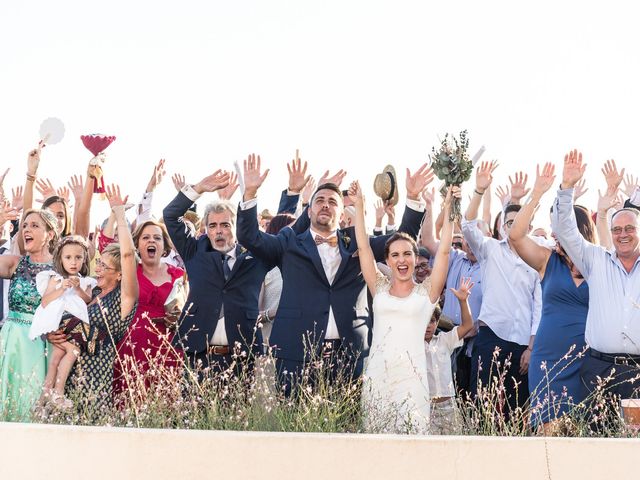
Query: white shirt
{"type": "Point", "coordinates": [511, 293]}
{"type": "Point", "coordinates": [330, 257]}
{"type": "Point", "coordinates": [220, 333]}
{"type": "Point", "coordinates": [439, 351]}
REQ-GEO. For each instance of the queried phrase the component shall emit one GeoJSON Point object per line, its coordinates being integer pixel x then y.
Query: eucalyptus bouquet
{"type": "Point", "coordinates": [451, 163]}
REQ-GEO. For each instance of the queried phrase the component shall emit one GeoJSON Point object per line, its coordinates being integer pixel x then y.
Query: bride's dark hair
{"type": "Point", "coordinates": [400, 236]}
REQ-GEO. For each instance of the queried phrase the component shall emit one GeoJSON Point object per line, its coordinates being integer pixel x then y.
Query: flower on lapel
{"type": "Point", "coordinates": [347, 240]}
{"type": "Point", "coordinates": [242, 250]}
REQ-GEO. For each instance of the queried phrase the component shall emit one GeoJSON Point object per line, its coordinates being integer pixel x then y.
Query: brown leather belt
{"type": "Point", "coordinates": [440, 399]}
{"type": "Point", "coordinates": [219, 350]}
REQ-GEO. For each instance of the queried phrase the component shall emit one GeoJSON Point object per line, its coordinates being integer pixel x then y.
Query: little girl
{"type": "Point", "coordinates": [65, 293]}
{"type": "Point", "coordinates": [439, 349]}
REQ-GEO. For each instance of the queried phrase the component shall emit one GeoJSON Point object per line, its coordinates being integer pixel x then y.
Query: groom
{"type": "Point", "coordinates": [323, 307]}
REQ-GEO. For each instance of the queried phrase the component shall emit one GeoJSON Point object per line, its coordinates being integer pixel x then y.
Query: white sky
{"type": "Point", "coordinates": [353, 84]}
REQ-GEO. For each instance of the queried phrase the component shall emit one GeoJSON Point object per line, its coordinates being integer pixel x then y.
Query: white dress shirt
{"type": "Point", "coordinates": [330, 257]}
{"type": "Point", "coordinates": [511, 293]}
{"type": "Point", "coordinates": [613, 321]}
{"type": "Point", "coordinates": [439, 374]}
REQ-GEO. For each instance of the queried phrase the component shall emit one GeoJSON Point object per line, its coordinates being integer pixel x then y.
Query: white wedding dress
{"type": "Point", "coordinates": [396, 391]}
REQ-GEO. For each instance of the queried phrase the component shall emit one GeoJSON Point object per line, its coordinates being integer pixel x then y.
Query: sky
{"type": "Point", "coordinates": [352, 84]}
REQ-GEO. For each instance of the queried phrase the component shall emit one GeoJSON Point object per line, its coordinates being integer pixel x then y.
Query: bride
{"type": "Point", "coordinates": [396, 393]}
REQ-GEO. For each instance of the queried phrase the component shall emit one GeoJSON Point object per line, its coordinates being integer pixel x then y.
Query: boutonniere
{"type": "Point", "coordinates": [347, 240]}
{"type": "Point", "coordinates": [243, 250]}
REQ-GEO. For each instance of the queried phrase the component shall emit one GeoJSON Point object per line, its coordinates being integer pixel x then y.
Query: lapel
{"type": "Point", "coordinates": [344, 254]}
{"type": "Point", "coordinates": [309, 244]}
{"type": "Point", "coordinates": [240, 256]}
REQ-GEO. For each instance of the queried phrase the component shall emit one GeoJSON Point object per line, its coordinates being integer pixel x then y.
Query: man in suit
{"type": "Point", "coordinates": [219, 318]}
{"type": "Point", "coordinates": [323, 308]}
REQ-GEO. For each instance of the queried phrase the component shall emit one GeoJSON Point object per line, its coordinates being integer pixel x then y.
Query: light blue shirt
{"type": "Point", "coordinates": [461, 267]}
{"type": "Point", "coordinates": [511, 293]}
{"type": "Point", "coordinates": [613, 321]}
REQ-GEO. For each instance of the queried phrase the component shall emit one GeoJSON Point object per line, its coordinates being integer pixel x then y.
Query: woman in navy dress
{"type": "Point", "coordinates": [554, 367]}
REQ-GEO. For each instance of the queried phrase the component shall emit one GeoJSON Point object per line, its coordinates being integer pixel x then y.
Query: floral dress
{"type": "Point", "coordinates": [23, 362]}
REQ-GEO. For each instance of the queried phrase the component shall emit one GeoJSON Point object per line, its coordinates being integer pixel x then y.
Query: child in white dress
{"type": "Point", "coordinates": [438, 349]}
{"type": "Point", "coordinates": [65, 293]}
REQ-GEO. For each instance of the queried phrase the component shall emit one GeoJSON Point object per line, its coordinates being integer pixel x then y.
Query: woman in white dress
{"type": "Point", "coordinates": [395, 392]}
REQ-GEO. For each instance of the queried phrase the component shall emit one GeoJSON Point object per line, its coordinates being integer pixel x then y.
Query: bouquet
{"type": "Point", "coordinates": [97, 143]}
{"type": "Point", "coordinates": [451, 163]}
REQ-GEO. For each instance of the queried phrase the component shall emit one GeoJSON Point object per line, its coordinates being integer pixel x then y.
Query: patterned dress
{"type": "Point", "coordinates": [23, 362]}
{"type": "Point", "coordinates": [92, 375]}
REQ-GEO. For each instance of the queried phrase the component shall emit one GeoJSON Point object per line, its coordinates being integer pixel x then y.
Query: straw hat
{"type": "Point", "coordinates": [385, 185]}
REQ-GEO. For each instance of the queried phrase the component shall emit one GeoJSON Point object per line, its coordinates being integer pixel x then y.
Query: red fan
{"type": "Point", "coordinates": [97, 144]}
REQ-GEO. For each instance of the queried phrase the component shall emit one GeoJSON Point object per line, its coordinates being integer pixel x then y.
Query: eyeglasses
{"type": "Point", "coordinates": [627, 229]}
{"type": "Point", "coordinates": [422, 266]}
{"type": "Point", "coordinates": [457, 245]}
{"type": "Point", "coordinates": [104, 266]}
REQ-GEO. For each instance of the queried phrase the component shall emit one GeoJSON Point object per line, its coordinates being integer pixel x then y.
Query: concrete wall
{"type": "Point", "coordinates": [52, 452]}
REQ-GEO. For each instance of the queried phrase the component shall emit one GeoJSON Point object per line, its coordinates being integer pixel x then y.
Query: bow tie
{"type": "Point", "coordinates": [332, 241]}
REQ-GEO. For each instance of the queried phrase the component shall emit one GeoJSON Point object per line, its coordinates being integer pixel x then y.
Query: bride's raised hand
{"type": "Point", "coordinates": [355, 194]}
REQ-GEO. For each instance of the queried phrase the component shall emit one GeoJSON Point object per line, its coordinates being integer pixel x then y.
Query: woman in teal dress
{"type": "Point", "coordinates": [23, 362]}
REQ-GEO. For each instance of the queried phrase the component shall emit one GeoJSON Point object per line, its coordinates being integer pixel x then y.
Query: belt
{"type": "Point", "coordinates": [219, 350]}
{"type": "Point", "coordinates": [616, 358]}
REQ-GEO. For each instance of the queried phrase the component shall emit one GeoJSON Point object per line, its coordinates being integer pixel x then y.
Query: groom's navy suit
{"type": "Point", "coordinates": [303, 313]}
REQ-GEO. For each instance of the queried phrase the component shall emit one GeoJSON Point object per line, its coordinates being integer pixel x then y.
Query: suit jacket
{"type": "Point", "coordinates": [303, 313]}
{"type": "Point", "coordinates": [208, 290]}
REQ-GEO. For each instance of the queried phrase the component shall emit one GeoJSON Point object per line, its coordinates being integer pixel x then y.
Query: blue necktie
{"type": "Point", "coordinates": [225, 266]}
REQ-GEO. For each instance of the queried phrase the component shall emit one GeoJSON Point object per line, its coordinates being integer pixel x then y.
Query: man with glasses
{"type": "Point", "coordinates": [613, 322]}
{"type": "Point", "coordinates": [511, 304]}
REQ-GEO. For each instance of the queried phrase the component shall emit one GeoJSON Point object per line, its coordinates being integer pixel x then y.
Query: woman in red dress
{"type": "Point", "coordinates": [145, 353]}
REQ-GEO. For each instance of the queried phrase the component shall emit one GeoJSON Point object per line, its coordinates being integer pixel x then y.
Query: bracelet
{"type": "Point", "coordinates": [477, 192]}
{"type": "Point", "coordinates": [31, 178]}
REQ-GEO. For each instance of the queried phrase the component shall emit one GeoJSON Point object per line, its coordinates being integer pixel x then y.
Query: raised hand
{"type": "Point", "coordinates": [417, 182]}
{"type": "Point", "coordinates": [46, 189]}
{"type": "Point", "coordinates": [544, 178]}
{"type": "Point", "coordinates": [2, 177]}
{"type": "Point", "coordinates": [355, 194]}
{"type": "Point", "coordinates": [253, 177]}
{"type": "Point", "coordinates": [336, 178]}
{"type": "Point", "coordinates": [611, 175]}
{"type": "Point", "coordinates": [17, 200]}
{"type": "Point", "coordinates": [464, 290]}
{"type": "Point", "coordinates": [390, 210]}
{"type": "Point", "coordinates": [64, 192]}
{"type": "Point", "coordinates": [519, 186]}
{"type": "Point", "coordinates": [308, 190]}
{"type": "Point", "coordinates": [629, 185]}
{"type": "Point", "coordinates": [217, 180]}
{"type": "Point", "coordinates": [503, 194]}
{"type": "Point", "coordinates": [33, 161]}
{"type": "Point", "coordinates": [112, 192]}
{"type": "Point", "coordinates": [609, 200]}
{"type": "Point", "coordinates": [178, 181]}
{"type": "Point", "coordinates": [298, 177]}
{"type": "Point", "coordinates": [156, 177]}
{"type": "Point", "coordinates": [227, 192]}
{"type": "Point", "coordinates": [573, 169]}
{"type": "Point", "coordinates": [579, 189]}
{"type": "Point", "coordinates": [76, 185]}
{"type": "Point", "coordinates": [429, 197]}
{"type": "Point", "coordinates": [379, 209]}
{"type": "Point", "coordinates": [7, 212]}
{"type": "Point", "coordinates": [484, 175]}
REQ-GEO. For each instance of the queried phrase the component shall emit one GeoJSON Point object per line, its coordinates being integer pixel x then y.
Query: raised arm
{"type": "Point", "coordinates": [83, 209]}
{"type": "Point", "coordinates": [536, 256]}
{"type": "Point", "coordinates": [462, 294]}
{"type": "Point", "coordinates": [441, 265]}
{"type": "Point", "coordinates": [563, 219]}
{"type": "Point", "coordinates": [365, 253]}
{"type": "Point", "coordinates": [129, 281]}
{"type": "Point", "coordinates": [484, 177]}
{"type": "Point", "coordinates": [427, 239]}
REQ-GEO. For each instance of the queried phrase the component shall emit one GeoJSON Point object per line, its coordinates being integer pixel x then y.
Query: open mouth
{"type": "Point", "coordinates": [403, 269]}
{"type": "Point", "coordinates": [28, 239]}
{"type": "Point", "coordinates": [151, 251]}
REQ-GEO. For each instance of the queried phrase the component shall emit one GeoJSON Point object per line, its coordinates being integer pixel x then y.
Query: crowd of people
{"type": "Point", "coordinates": [420, 314]}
